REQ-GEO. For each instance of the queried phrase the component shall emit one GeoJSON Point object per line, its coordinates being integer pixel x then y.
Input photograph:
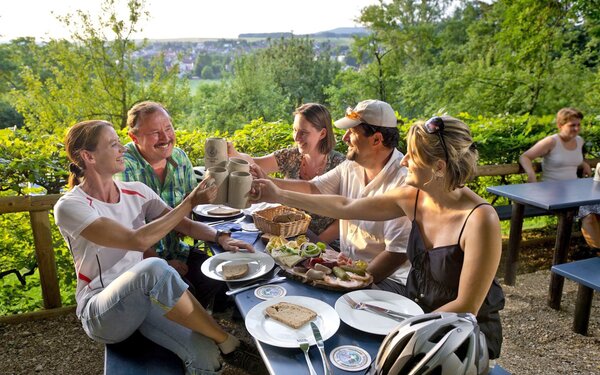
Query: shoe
{"type": "Point", "coordinates": [246, 358]}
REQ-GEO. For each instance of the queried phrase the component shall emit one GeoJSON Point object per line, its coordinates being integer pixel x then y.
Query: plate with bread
{"type": "Point", "coordinates": [280, 321]}
{"type": "Point", "coordinates": [216, 211]}
{"type": "Point", "coordinates": [315, 264]}
{"type": "Point", "coordinates": [239, 266]}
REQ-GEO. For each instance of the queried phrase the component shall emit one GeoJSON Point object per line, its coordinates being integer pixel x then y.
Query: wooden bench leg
{"type": "Point", "coordinates": [514, 240]}
{"type": "Point", "coordinates": [583, 307]}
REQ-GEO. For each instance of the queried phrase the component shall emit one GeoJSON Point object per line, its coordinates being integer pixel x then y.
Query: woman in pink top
{"type": "Point", "coordinates": [562, 155]}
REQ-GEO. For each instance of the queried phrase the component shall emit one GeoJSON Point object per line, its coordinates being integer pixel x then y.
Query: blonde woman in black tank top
{"type": "Point", "coordinates": [455, 243]}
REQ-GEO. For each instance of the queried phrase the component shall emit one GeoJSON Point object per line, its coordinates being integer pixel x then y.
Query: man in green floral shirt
{"type": "Point", "coordinates": [153, 159]}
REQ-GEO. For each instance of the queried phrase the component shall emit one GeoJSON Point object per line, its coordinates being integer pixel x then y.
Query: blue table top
{"type": "Point", "coordinates": [290, 361]}
{"type": "Point", "coordinates": [552, 195]}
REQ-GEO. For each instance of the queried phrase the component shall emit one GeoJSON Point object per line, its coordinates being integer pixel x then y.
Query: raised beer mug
{"type": "Point", "coordinates": [215, 152]}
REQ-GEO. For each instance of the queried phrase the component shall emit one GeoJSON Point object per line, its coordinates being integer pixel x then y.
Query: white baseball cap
{"type": "Point", "coordinates": [372, 112]}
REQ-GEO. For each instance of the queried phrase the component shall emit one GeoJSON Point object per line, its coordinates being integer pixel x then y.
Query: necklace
{"type": "Point", "coordinates": [306, 174]}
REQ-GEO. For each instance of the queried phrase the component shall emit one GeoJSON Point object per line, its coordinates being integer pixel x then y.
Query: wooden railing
{"type": "Point", "coordinates": [39, 207]}
{"type": "Point", "coordinates": [508, 169]}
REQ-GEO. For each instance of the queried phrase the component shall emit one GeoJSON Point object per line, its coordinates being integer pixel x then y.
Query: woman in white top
{"type": "Point", "coordinates": [108, 226]}
{"type": "Point", "coordinates": [562, 155]}
{"type": "Point", "coordinates": [313, 155]}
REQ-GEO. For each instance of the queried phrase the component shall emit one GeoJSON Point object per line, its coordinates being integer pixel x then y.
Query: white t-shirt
{"type": "Point", "coordinates": [560, 163]}
{"type": "Point", "coordinates": [96, 266]}
{"type": "Point", "coordinates": [361, 239]}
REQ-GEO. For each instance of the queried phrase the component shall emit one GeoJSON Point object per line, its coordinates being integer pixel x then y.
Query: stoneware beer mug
{"type": "Point", "coordinates": [221, 175]}
{"type": "Point", "coordinates": [215, 152]}
{"type": "Point", "coordinates": [238, 165]}
{"type": "Point", "coordinates": [239, 188]}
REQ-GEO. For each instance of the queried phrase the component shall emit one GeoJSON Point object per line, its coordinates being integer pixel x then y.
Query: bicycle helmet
{"type": "Point", "coordinates": [436, 343]}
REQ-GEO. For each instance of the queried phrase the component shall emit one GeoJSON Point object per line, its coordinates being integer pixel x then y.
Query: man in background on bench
{"type": "Point", "coordinates": [562, 155]}
{"type": "Point", "coordinates": [153, 159]}
{"type": "Point", "coordinates": [372, 168]}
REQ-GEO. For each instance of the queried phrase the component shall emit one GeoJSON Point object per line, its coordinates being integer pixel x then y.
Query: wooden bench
{"type": "Point", "coordinates": [586, 273]}
{"type": "Point", "coordinates": [505, 211]}
{"type": "Point", "coordinates": [497, 370]}
{"type": "Point", "coordinates": [138, 355]}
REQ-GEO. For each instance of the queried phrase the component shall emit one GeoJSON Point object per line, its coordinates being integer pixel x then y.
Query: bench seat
{"type": "Point", "coordinates": [586, 273]}
{"type": "Point", "coordinates": [497, 370]}
{"type": "Point", "coordinates": [505, 212]}
{"type": "Point", "coordinates": [138, 355]}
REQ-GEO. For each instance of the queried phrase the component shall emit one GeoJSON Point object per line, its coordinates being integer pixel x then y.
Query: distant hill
{"type": "Point", "coordinates": [340, 32]}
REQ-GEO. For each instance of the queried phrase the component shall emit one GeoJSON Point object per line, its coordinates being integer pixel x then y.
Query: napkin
{"type": "Point", "coordinates": [249, 237]}
{"type": "Point", "coordinates": [238, 233]}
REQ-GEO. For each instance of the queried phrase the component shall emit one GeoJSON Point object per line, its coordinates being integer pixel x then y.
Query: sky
{"type": "Point", "coordinates": [171, 19]}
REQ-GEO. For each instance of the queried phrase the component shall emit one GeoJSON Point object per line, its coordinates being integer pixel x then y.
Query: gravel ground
{"type": "Point", "coordinates": [537, 339]}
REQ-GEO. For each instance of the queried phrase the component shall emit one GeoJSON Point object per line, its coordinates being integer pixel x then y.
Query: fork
{"type": "Point", "coordinates": [303, 343]}
{"type": "Point", "coordinates": [375, 309]}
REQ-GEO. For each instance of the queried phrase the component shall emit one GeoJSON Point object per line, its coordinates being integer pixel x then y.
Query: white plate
{"type": "Point", "coordinates": [258, 264]}
{"type": "Point", "coordinates": [203, 209]}
{"type": "Point", "coordinates": [370, 322]}
{"type": "Point", "coordinates": [274, 333]}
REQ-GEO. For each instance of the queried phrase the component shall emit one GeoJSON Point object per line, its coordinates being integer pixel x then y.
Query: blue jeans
{"type": "Point", "coordinates": [138, 300]}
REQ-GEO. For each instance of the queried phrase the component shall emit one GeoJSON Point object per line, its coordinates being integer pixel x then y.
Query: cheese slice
{"type": "Point", "coordinates": [291, 260]}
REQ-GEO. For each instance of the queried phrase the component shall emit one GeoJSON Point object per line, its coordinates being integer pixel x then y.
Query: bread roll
{"type": "Point", "coordinates": [290, 314]}
{"type": "Point", "coordinates": [288, 217]}
{"type": "Point", "coordinates": [234, 271]}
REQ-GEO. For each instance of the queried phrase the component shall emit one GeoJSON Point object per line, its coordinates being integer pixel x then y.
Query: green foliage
{"type": "Point", "coordinates": [518, 57]}
{"type": "Point", "coordinates": [95, 77]}
{"type": "Point", "coordinates": [260, 138]}
{"type": "Point", "coordinates": [267, 84]}
{"type": "Point", "coordinates": [17, 252]}
{"type": "Point", "coordinates": [28, 158]}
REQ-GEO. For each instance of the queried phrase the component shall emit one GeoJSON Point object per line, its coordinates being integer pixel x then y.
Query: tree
{"type": "Point", "coordinates": [97, 75]}
{"type": "Point", "coordinates": [515, 56]}
{"type": "Point", "coordinates": [268, 84]}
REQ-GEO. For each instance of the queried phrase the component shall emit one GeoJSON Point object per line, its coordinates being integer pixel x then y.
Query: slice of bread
{"type": "Point", "coordinates": [290, 314]}
{"type": "Point", "coordinates": [235, 271]}
{"type": "Point", "coordinates": [223, 211]}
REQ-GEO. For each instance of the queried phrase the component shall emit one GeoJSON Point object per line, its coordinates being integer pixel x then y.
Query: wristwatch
{"type": "Point", "coordinates": [221, 233]}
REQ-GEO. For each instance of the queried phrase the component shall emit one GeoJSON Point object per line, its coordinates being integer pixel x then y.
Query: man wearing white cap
{"type": "Point", "coordinates": [373, 167]}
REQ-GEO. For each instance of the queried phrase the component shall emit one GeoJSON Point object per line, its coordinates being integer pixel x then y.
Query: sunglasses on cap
{"type": "Point", "coordinates": [435, 125]}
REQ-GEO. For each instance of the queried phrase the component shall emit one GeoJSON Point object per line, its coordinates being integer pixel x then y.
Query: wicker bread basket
{"type": "Point", "coordinates": [263, 220]}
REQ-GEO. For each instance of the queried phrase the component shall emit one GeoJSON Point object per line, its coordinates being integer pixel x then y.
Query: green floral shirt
{"type": "Point", "coordinates": [180, 181]}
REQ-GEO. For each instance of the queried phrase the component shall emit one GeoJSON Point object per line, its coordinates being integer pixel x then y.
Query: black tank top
{"type": "Point", "coordinates": [434, 278]}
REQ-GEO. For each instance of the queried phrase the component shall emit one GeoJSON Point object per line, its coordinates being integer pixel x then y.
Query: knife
{"type": "Point", "coordinates": [321, 347]}
{"type": "Point", "coordinates": [271, 281]}
{"type": "Point", "coordinates": [389, 313]}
